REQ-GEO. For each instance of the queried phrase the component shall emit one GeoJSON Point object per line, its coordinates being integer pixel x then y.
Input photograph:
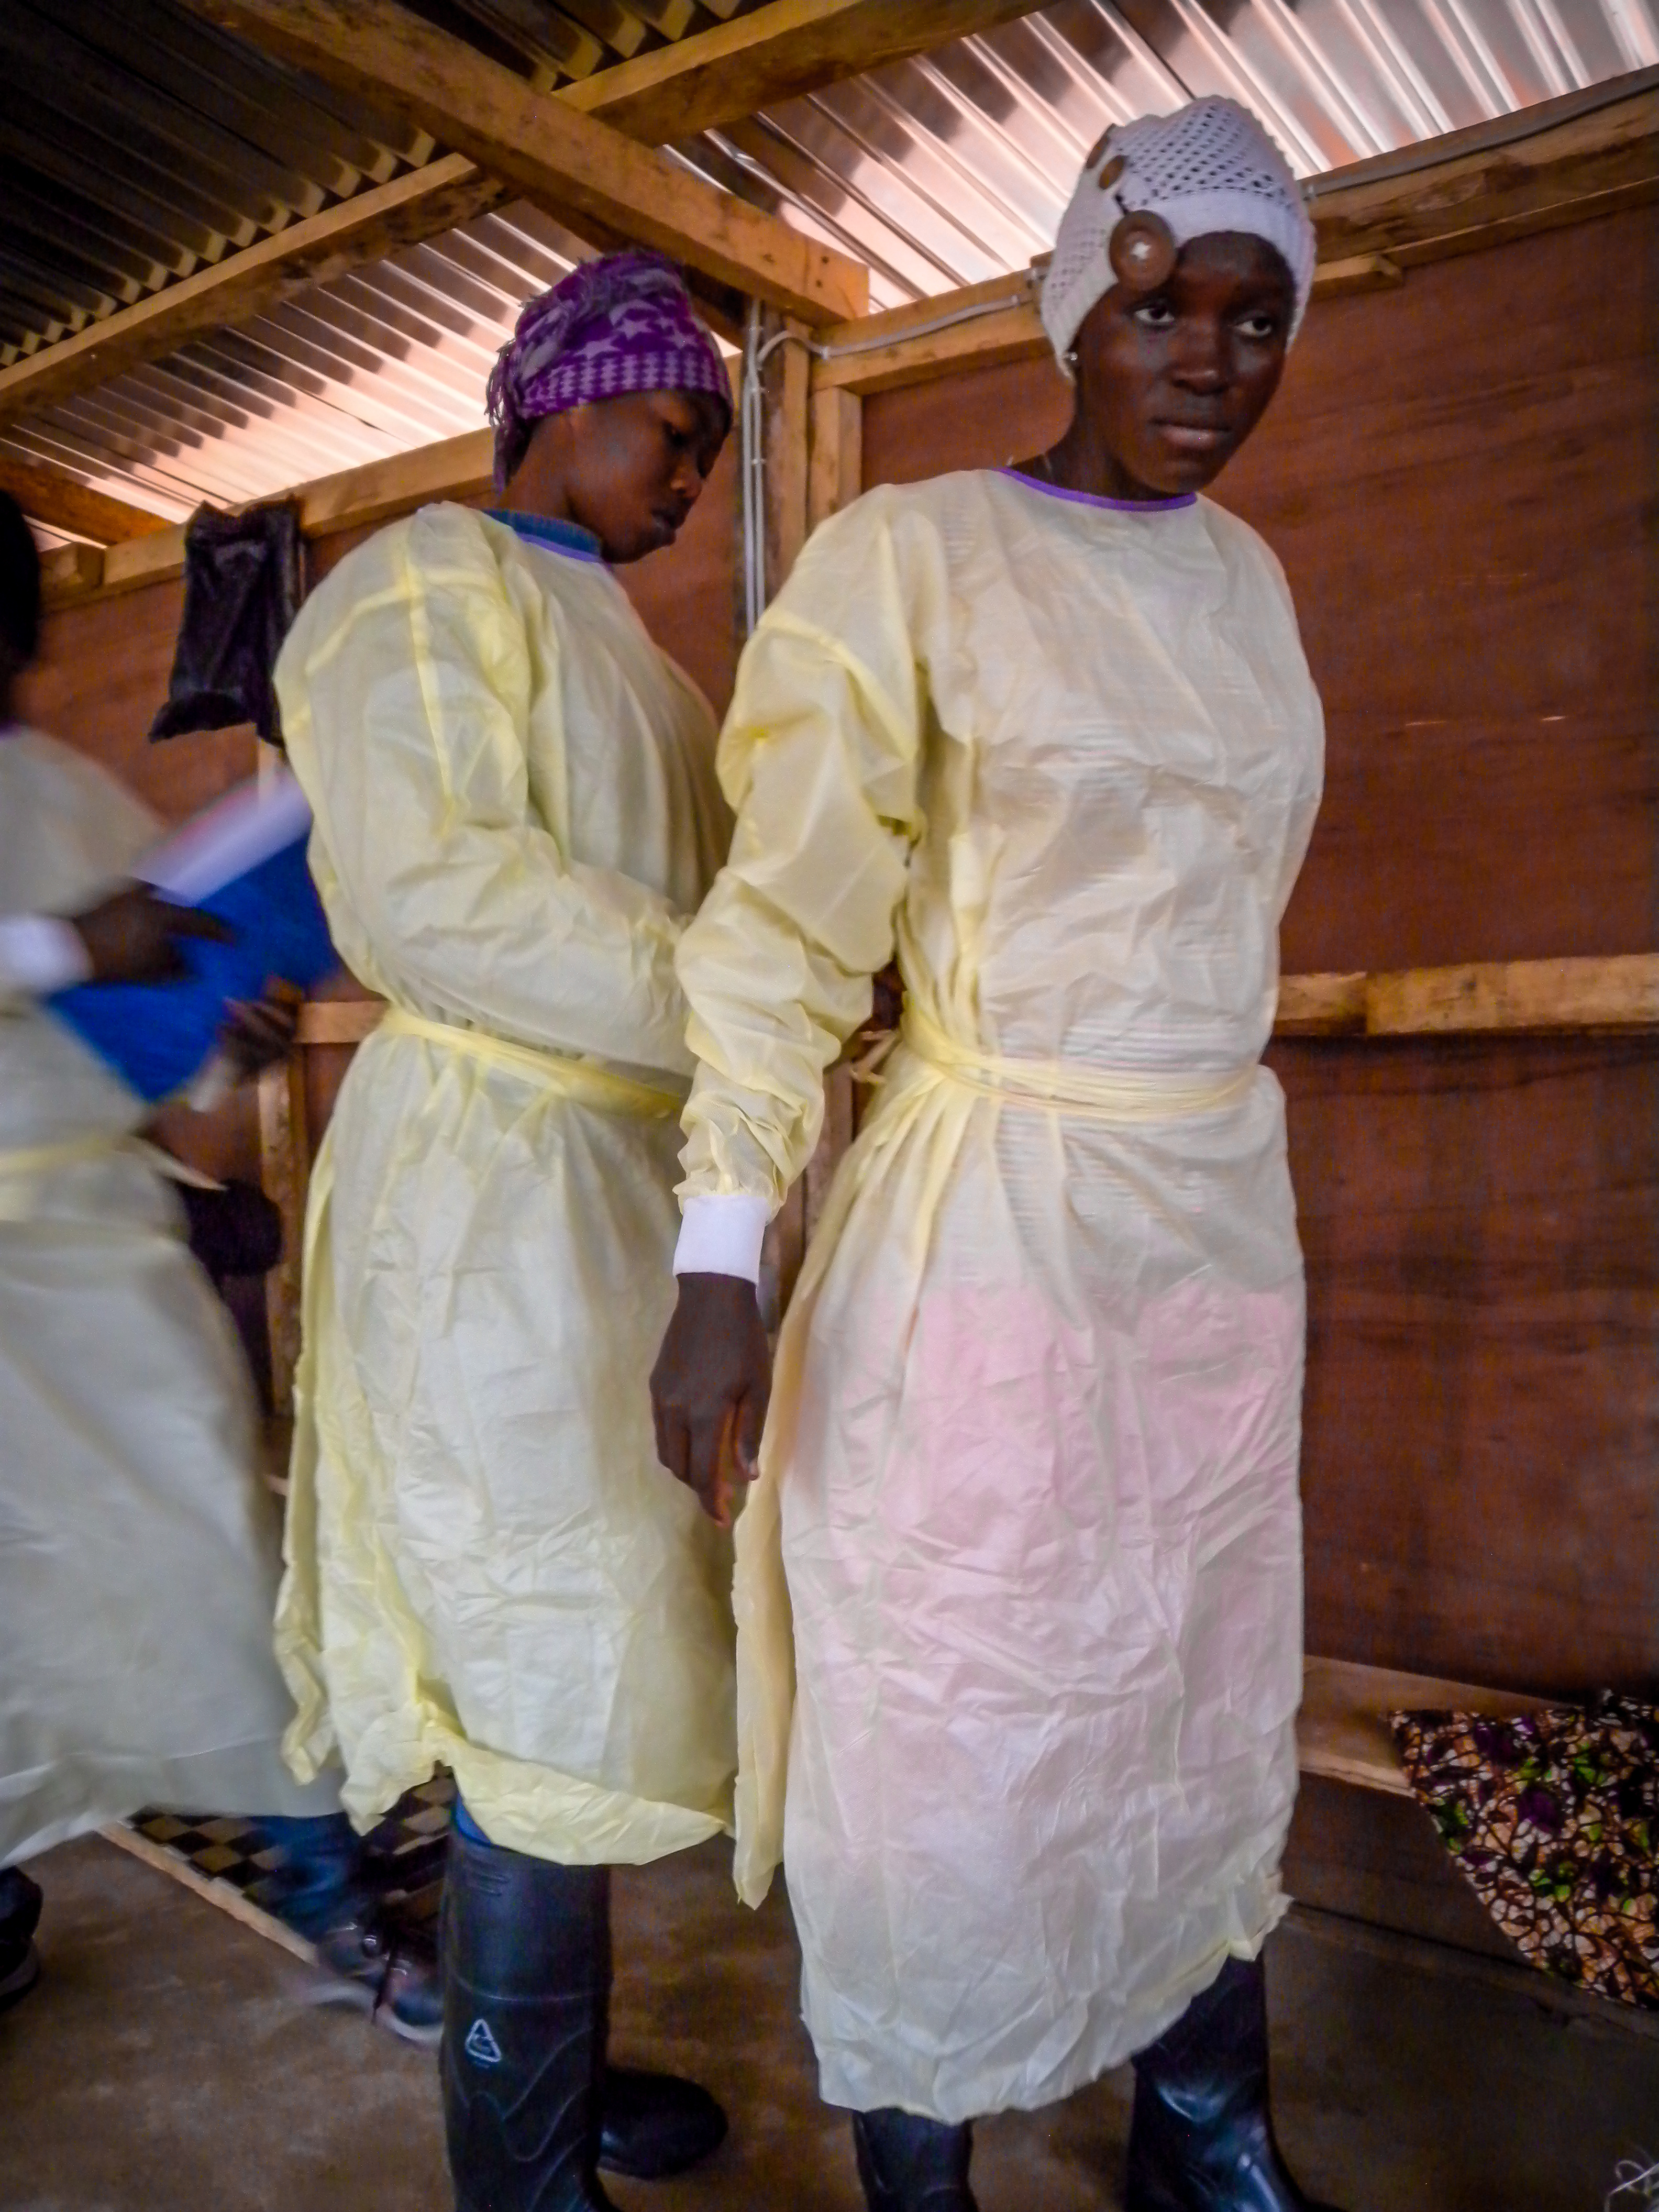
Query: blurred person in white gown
{"type": "Point", "coordinates": [138, 1546]}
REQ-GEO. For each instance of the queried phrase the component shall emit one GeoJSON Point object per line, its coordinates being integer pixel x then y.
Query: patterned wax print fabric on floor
{"type": "Point", "coordinates": [1553, 1816]}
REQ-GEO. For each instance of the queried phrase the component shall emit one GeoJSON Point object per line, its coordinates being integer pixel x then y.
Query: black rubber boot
{"type": "Point", "coordinates": [907, 2164]}
{"type": "Point", "coordinates": [526, 1967]}
{"type": "Point", "coordinates": [1202, 2136]}
{"type": "Point", "coordinates": [20, 1915]}
{"type": "Point", "coordinates": [653, 2125]}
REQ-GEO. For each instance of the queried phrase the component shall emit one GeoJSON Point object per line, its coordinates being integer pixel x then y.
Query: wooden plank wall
{"type": "Point", "coordinates": [1459, 476]}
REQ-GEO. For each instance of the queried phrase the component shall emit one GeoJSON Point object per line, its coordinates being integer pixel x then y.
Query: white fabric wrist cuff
{"type": "Point", "coordinates": [722, 1235]}
{"type": "Point", "coordinates": [39, 955]}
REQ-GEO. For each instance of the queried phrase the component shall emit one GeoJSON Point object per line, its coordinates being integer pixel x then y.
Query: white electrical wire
{"type": "Point", "coordinates": [752, 453]}
{"type": "Point", "coordinates": [751, 420]}
{"type": "Point", "coordinates": [752, 462]}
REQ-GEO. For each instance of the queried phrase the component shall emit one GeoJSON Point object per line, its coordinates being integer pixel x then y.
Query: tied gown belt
{"type": "Point", "coordinates": [588, 1082]}
{"type": "Point", "coordinates": [1069, 1087]}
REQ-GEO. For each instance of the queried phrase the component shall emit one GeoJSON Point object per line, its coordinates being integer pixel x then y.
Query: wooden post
{"type": "Point", "coordinates": [285, 1172]}
{"type": "Point", "coordinates": [285, 1177]}
{"type": "Point", "coordinates": [834, 475]}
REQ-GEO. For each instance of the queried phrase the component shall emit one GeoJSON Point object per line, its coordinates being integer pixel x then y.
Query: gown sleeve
{"type": "Point", "coordinates": [819, 762]}
{"type": "Point", "coordinates": [71, 835]}
{"type": "Point", "coordinates": [39, 955]}
{"type": "Point", "coordinates": [406, 715]}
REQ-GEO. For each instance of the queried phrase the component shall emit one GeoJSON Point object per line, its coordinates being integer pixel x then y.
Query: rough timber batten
{"type": "Point", "coordinates": [778, 51]}
{"type": "Point", "coordinates": [370, 224]}
{"type": "Point", "coordinates": [577, 168]}
{"type": "Point", "coordinates": [1512, 997]}
{"type": "Point", "coordinates": [1375, 222]}
{"type": "Point", "coordinates": [1613, 148]}
{"type": "Point", "coordinates": [62, 501]}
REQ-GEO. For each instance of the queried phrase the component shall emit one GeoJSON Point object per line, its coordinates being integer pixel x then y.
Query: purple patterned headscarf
{"type": "Point", "coordinates": [624, 323]}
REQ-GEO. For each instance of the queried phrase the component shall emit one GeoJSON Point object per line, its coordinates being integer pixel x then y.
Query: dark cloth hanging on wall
{"type": "Point", "coordinates": [244, 579]}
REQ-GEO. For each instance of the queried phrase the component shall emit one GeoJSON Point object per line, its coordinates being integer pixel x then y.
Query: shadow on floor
{"type": "Point", "coordinates": [164, 2065]}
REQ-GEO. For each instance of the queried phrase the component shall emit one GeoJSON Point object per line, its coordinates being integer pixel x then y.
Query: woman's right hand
{"type": "Point", "coordinates": [133, 937]}
{"type": "Point", "coordinates": [709, 1389]}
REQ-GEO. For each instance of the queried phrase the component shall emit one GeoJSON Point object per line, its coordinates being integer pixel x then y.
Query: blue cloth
{"type": "Point", "coordinates": [157, 1035]}
{"type": "Point", "coordinates": [547, 530]}
{"type": "Point", "coordinates": [468, 1827]}
{"type": "Point", "coordinates": [316, 1886]}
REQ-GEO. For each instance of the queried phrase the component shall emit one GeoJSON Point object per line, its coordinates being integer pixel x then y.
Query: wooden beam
{"type": "Point", "coordinates": [782, 49]}
{"type": "Point", "coordinates": [450, 468]}
{"type": "Point", "coordinates": [1496, 182]}
{"type": "Point", "coordinates": [1558, 163]}
{"type": "Point", "coordinates": [978, 327]}
{"type": "Point", "coordinates": [778, 52]}
{"type": "Point", "coordinates": [577, 168]}
{"type": "Point", "coordinates": [362, 228]}
{"type": "Point", "coordinates": [285, 1177]}
{"type": "Point", "coordinates": [70, 572]}
{"type": "Point", "coordinates": [835, 458]}
{"type": "Point", "coordinates": [1620, 992]}
{"type": "Point", "coordinates": [1342, 1731]}
{"type": "Point", "coordinates": [52, 496]}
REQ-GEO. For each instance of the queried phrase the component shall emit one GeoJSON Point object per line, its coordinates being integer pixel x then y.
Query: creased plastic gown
{"type": "Point", "coordinates": [1031, 1468]}
{"type": "Point", "coordinates": [138, 1548]}
{"type": "Point", "coordinates": [515, 809]}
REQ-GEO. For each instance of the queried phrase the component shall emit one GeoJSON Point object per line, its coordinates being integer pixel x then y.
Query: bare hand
{"type": "Point", "coordinates": [709, 1390]}
{"type": "Point", "coordinates": [133, 937]}
{"type": "Point", "coordinates": [258, 1033]}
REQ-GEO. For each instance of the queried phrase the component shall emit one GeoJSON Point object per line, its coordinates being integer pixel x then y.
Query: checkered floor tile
{"type": "Point", "coordinates": [405, 1852]}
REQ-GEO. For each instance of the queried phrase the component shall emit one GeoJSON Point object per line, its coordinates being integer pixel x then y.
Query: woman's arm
{"type": "Point", "coordinates": [407, 716]}
{"type": "Point", "coordinates": [819, 760]}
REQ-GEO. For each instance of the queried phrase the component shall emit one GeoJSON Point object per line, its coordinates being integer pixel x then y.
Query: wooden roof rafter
{"type": "Point", "coordinates": [776, 51]}
{"type": "Point", "coordinates": [1563, 161]}
{"type": "Point", "coordinates": [54, 497]}
{"type": "Point", "coordinates": [580, 170]}
{"type": "Point", "coordinates": [1474, 195]}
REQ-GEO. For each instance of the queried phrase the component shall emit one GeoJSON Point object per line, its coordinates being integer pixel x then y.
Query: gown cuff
{"type": "Point", "coordinates": [722, 1235]}
{"type": "Point", "coordinates": [39, 955]}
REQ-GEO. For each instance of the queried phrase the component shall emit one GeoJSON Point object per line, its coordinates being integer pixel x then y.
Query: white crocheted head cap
{"type": "Point", "coordinates": [1209, 166]}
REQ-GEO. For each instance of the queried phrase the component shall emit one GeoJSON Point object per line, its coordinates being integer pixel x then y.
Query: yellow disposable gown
{"type": "Point", "coordinates": [138, 1548]}
{"type": "Point", "coordinates": [515, 809]}
{"type": "Point", "coordinates": [1031, 1468]}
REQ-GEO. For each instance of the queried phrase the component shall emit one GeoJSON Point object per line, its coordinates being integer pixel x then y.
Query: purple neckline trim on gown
{"type": "Point", "coordinates": [1098, 499]}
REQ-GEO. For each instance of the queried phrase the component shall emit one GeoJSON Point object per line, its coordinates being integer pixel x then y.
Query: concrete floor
{"type": "Point", "coordinates": [165, 2066]}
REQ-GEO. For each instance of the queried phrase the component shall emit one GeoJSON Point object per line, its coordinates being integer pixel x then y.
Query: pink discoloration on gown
{"type": "Point", "coordinates": [1026, 1543]}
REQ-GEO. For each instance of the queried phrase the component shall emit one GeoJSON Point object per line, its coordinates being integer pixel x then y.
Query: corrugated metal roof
{"type": "Point", "coordinates": [150, 142]}
{"type": "Point", "coordinates": [946, 170]}
{"type": "Point", "coordinates": [954, 168]}
{"type": "Point", "coordinates": [390, 356]}
{"type": "Point", "coordinates": [150, 145]}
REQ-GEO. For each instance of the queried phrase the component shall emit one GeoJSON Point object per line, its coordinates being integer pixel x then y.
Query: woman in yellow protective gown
{"type": "Point", "coordinates": [1025, 1539]}
{"type": "Point", "coordinates": [516, 812]}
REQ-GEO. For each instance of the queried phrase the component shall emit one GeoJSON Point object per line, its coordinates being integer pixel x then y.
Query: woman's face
{"type": "Point", "coordinates": [1170, 383]}
{"type": "Point", "coordinates": [629, 469]}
